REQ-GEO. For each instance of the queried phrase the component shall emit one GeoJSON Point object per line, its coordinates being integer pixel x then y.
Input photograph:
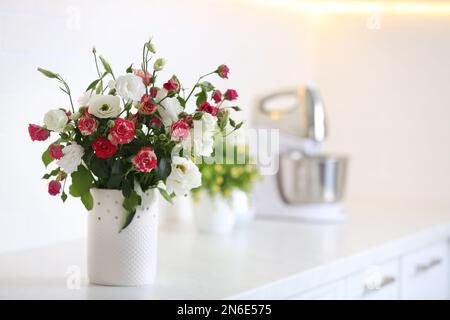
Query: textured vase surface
{"type": "Point", "coordinates": [127, 257]}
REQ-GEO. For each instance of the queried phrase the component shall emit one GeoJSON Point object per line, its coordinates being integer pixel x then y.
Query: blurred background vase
{"type": "Point", "coordinates": [214, 214]}
{"type": "Point", "coordinates": [244, 208]}
{"type": "Point", "coordinates": [116, 256]}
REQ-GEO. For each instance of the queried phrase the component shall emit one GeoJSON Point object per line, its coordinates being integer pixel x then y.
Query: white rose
{"type": "Point", "coordinates": [129, 87]}
{"type": "Point", "coordinates": [169, 109]}
{"type": "Point", "coordinates": [86, 98]}
{"type": "Point", "coordinates": [104, 106]}
{"type": "Point", "coordinates": [55, 120]}
{"type": "Point", "coordinates": [202, 136]}
{"type": "Point", "coordinates": [183, 177]}
{"type": "Point", "coordinates": [71, 158]}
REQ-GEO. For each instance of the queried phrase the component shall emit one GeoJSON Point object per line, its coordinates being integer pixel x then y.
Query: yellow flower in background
{"type": "Point", "coordinates": [226, 193]}
{"type": "Point", "coordinates": [219, 180]}
{"type": "Point", "coordinates": [218, 168]}
{"type": "Point", "coordinates": [215, 189]}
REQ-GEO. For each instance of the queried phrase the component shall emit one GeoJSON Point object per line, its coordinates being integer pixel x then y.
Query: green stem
{"type": "Point", "coordinates": [195, 86]}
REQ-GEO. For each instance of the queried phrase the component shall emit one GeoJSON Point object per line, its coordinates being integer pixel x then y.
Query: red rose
{"type": "Point", "coordinates": [171, 85]}
{"type": "Point", "coordinates": [156, 122]}
{"type": "Point", "coordinates": [122, 132]}
{"type": "Point", "coordinates": [54, 187]}
{"type": "Point", "coordinates": [206, 107]}
{"type": "Point", "coordinates": [145, 76]}
{"type": "Point", "coordinates": [146, 106]}
{"type": "Point", "coordinates": [145, 160]}
{"type": "Point", "coordinates": [87, 124]}
{"type": "Point", "coordinates": [217, 96]}
{"type": "Point", "coordinates": [56, 152]}
{"type": "Point", "coordinates": [38, 133]}
{"type": "Point", "coordinates": [222, 71]}
{"type": "Point", "coordinates": [103, 148]}
{"type": "Point", "coordinates": [231, 94]}
{"type": "Point", "coordinates": [179, 130]}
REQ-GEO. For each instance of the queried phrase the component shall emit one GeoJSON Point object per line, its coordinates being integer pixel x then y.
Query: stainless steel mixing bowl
{"type": "Point", "coordinates": [310, 179]}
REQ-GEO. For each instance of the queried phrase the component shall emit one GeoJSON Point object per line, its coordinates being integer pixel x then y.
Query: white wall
{"type": "Point", "coordinates": [386, 91]}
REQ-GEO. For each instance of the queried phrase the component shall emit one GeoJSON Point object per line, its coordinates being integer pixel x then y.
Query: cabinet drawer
{"type": "Point", "coordinates": [376, 282]}
{"type": "Point", "coordinates": [332, 291]}
{"type": "Point", "coordinates": [425, 273]}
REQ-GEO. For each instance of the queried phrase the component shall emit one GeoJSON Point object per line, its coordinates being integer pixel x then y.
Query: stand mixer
{"type": "Point", "coordinates": [308, 185]}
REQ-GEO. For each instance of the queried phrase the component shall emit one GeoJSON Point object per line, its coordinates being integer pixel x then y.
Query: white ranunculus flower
{"type": "Point", "coordinates": [201, 140]}
{"type": "Point", "coordinates": [83, 101]}
{"type": "Point", "coordinates": [71, 158]}
{"type": "Point", "coordinates": [129, 87]}
{"type": "Point", "coordinates": [170, 108]}
{"type": "Point", "coordinates": [55, 120]}
{"type": "Point", "coordinates": [104, 106]}
{"type": "Point", "coordinates": [183, 177]}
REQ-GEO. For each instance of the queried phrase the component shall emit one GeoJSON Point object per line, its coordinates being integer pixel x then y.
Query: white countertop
{"type": "Point", "coordinates": [270, 258]}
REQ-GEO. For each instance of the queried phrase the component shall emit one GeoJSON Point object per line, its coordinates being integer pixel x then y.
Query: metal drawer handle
{"type": "Point", "coordinates": [422, 267]}
{"type": "Point", "coordinates": [387, 280]}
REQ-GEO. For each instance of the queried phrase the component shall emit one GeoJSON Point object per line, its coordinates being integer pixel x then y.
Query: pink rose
{"type": "Point", "coordinates": [146, 106]}
{"type": "Point", "coordinates": [54, 187]}
{"type": "Point", "coordinates": [155, 122]}
{"type": "Point", "coordinates": [145, 76]}
{"type": "Point", "coordinates": [56, 152]}
{"type": "Point", "coordinates": [37, 133]}
{"type": "Point", "coordinates": [171, 85]}
{"type": "Point", "coordinates": [206, 107]}
{"type": "Point", "coordinates": [153, 92]}
{"type": "Point", "coordinates": [122, 132]}
{"type": "Point", "coordinates": [223, 71]}
{"type": "Point", "coordinates": [87, 124]}
{"type": "Point", "coordinates": [179, 130]}
{"type": "Point", "coordinates": [217, 96]}
{"type": "Point", "coordinates": [145, 160]}
{"type": "Point", "coordinates": [231, 94]}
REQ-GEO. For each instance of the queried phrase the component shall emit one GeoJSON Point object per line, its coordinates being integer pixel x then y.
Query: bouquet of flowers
{"type": "Point", "coordinates": [130, 134]}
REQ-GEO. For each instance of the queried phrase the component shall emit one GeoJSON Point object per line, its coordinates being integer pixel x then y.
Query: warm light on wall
{"type": "Point", "coordinates": [358, 7]}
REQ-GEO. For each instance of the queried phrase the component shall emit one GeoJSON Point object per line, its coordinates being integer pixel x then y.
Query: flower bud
{"type": "Point", "coordinates": [159, 64]}
{"type": "Point", "coordinates": [110, 123]}
{"type": "Point", "coordinates": [75, 116]}
{"type": "Point", "coordinates": [68, 127]}
{"type": "Point", "coordinates": [151, 47]}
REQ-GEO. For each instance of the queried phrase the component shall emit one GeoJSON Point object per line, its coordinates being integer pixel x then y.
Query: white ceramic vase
{"type": "Point", "coordinates": [214, 214]}
{"type": "Point", "coordinates": [245, 211]}
{"type": "Point", "coordinates": [127, 257]}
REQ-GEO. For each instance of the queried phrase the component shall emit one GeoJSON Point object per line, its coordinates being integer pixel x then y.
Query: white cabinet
{"type": "Point", "coordinates": [375, 282]}
{"type": "Point", "coordinates": [425, 273]}
{"type": "Point", "coordinates": [331, 291]}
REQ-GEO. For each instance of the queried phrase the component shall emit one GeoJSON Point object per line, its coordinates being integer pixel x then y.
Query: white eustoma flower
{"type": "Point", "coordinates": [83, 101]}
{"type": "Point", "coordinates": [169, 109]}
{"type": "Point", "coordinates": [71, 158]}
{"type": "Point", "coordinates": [183, 177]}
{"type": "Point", "coordinates": [129, 87]}
{"type": "Point", "coordinates": [201, 141]}
{"type": "Point", "coordinates": [55, 120]}
{"type": "Point", "coordinates": [104, 106]}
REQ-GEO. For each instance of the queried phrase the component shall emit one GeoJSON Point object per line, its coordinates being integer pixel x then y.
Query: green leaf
{"type": "Point", "coordinates": [181, 101]}
{"type": "Point", "coordinates": [130, 203]}
{"type": "Point", "coordinates": [64, 196]}
{"type": "Point", "coordinates": [232, 123]}
{"type": "Point", "coordinates": [81, 183]}
{"type": "Point", "coordinates": [201, 97]}
{"type": "Point", "coordinates": [206, 86]}
{"type": "Point", "coordinates": [48, 73]}
{"type": "Point", "coordinates": [163, 169]}
{"type": "Point", "coordinates": [105, 64]}
{"type": "Point", "coordinates": [130, 69]}
{"type": "Point", "coordinates": [46, 158]}
{"type": "Point", "coordinates": [46, 176]}
{"type": "Point", "coordinates": [87, 200]}
{"type": "Point", "coordinates": [197, 116]}
{"type": "Point", "coordinates": [239, 125]}
{"type": "Point", "coordinates": [236, 108]}
{"type": "Point", "coordinates": [165, 195]}
{"type": "Point", "coordinates": [93, 84]}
